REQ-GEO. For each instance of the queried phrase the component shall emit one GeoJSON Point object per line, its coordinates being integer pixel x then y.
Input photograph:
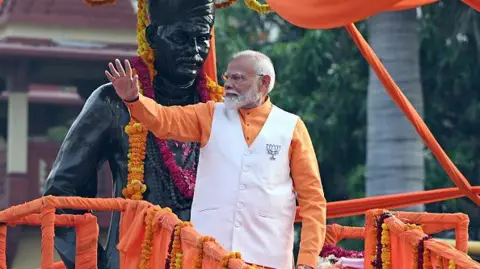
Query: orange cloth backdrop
{"type": "Point", "coordinates": [210, 66]}
{"type": "Point", "coordinates": [325, 14]}
{"type": "Point", "coordinates": [322, 14]}
{"type": "Point", "coordinates": [145, 233]}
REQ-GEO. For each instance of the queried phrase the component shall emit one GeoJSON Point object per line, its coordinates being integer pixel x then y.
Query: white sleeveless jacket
{"type": "Point", "coordinates": [244, 196]}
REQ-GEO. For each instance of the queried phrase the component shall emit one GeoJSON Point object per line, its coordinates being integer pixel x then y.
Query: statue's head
{"type": "Point", "coordinates": [179, 32]}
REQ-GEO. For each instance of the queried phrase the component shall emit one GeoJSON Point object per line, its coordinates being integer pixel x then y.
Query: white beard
{"type": "Point", "coordinates": [237, 102]}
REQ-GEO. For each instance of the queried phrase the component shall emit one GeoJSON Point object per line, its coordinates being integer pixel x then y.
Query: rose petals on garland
{"type": "Point", "coordinates": [168, 260]}
{"type": "Point", "coordinates": [381, 259]}
{"type": "Point", "coordinates": [421, 251]}
{"type": "Point", "coordinates": [329, 249]}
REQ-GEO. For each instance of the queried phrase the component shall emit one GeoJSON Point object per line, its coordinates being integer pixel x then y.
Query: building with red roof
{"type": "Point", "coordinates": [53, 54]}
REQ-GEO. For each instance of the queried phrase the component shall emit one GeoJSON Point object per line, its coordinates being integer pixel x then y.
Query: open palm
{"type": "Point", "coordinates": [126, 85]}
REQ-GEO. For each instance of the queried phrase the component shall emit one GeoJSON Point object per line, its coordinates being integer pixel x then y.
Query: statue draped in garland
{"type": "Point", "coordinates": [173, 44]}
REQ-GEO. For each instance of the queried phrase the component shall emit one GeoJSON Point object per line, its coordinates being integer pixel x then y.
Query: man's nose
{"type": "Point", "coordinates": [193, 45]}
{"type": "Point", "coordinates": [228, 84]}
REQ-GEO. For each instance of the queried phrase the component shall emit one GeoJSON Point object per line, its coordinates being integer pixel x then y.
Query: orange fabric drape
{"type": "Point", "coordinates": [402, 241]}
{"type": "Point", "coordinates": [336, 233]}
{"type": "Point", "coordinates": [326, 14]}
{"type": "Point", "coordinates": [210, 65]}
{"type": "Point", "coordinates": [87, 236]}
{"type": "Point", "coordinates": [3, 246]}
{"type": "Point", "coordinates": [475, 4]}
{"type": "Point", "coordinates": [318, 14]}
{"type": "Point", "coordinates": [136, 215]}
{"type": "Point", "coordinates": [455, 175]}
{"type": "Point", "coordinates": [361, 205]}
{"type": "Point", "coordinates": [406, 239]}
{"type": "Point", "coordinates": [137, 218]}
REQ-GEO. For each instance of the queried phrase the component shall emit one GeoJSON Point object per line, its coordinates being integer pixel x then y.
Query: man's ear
{"type": "Point", "coordinates": [150, 33]}
{"type": "Point", "coordinates": [266, 82]}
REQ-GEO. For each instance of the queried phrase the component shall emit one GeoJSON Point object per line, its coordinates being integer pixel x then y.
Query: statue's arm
{"type": "Point", "coordinates": [74, 172]}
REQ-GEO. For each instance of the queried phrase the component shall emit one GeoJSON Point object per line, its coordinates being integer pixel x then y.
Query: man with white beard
{"type": "Point", "coordinates": [255, 161]}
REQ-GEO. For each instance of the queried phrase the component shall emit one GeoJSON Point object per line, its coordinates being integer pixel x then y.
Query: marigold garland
{"type": "Point", "coordinates": [421, 252]}
{"type": "Point", "coordinates": [231, 255]}
{"type": "Point", "coordinates": [201, 242]}
{"type": "Point", "coordinates": [451, 264]}
{"type": "Point", "coordinates": [385, 246]}
{"type": "Point", "coordinates": [149, 232]}
{"type": "Point", "coordinates": [176, 255]}
{"type": "Point", "coordinates": [416, 248]}
{"type": "Point", "coordinates": [257, 7]}
{"type": "Point", "coordinates": [138, 133]}
{"type": "Point", "coordinates": [439, 260]}
{"type": "Point", "coordinates": [427, 261]}
{"type": "Point", "coordinates": [381, 257]}
{"type": "Point", "coordinates": [170, 248]}
{"type": "Point", "coordinates": [136, 154]}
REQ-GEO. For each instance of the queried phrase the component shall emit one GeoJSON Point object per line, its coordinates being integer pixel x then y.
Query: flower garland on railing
{"type": "Point", "coordinates": [330, 249]}
{"type": "Point", "coordinates": [175, 254]}
{"type": "Point", "coordinates": [385, 239]}
{"type": "Point", "coordinates": [421, 252]}
{"type": "Point", "coordinates": [170, 248]}
{"type": "Point", "coordinates": [227, 257]}
{"type": "Point", "coordinates": [427, 259]}
{"type": "Point", "coordinates": [381, 258]}
{"type": "Point", "coordinates": [201, 242]}
{"type": "Point", "coordinates": [149, 232]}
{"type": "Point", "coordinates": [439, 260]}
{"type": "Point", "coordinates": [417, 251]}
{"type": "Point", "coordinates": [184, 179]}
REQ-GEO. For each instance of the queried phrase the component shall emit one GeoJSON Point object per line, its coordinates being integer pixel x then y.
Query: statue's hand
{"type": "Point", "coordinates": [124, 83]}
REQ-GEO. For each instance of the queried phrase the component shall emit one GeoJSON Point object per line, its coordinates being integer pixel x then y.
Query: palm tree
{"type": "Point", "coordinates": [395, 160]}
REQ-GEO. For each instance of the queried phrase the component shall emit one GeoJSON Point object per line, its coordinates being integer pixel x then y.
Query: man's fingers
{"type": "Point", "coordinates": [136, 82]}
{"type": "Point", "coordinates": [109, 76]}
{"type": "Point", "coordinates": [120, 67]}
{"type": "Point", "coordinates": [128, 67]}
{"type": "Point", "coordinates": [113, 71]}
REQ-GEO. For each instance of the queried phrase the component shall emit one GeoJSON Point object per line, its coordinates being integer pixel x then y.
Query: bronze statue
{"type": "Point", "coordinates": [177, 34]}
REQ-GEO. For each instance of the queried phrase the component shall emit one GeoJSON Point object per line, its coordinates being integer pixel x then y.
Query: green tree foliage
{"type": "Point", "coordinates": [451, 82]}
{"type": "Point", "coordinates": [322, 77]}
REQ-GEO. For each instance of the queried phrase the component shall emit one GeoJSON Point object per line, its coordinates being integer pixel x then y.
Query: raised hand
{"type": "Point", "coordinates": [124, 83]}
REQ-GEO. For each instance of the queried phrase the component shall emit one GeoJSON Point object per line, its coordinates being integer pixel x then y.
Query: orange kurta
{"type": "Point", "coordinates": [193, 123]}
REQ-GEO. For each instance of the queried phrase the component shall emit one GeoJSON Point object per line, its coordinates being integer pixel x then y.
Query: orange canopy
{"type": "Point", "coordinates": [324, 14]}
{"type": "Point", "coordinates": [318, 14]}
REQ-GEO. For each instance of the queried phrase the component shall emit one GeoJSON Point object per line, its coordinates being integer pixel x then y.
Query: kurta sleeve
{"type": "Point", "coordinates": [190, 123]}
{"type": "Point", "coordinates": [311, 199]}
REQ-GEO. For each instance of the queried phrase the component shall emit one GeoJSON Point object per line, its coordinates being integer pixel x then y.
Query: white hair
{"type": "Point", "coordinates": [262, 64]}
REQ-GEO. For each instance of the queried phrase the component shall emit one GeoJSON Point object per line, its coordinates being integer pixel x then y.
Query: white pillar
{"type": "Point", "coordinates": [17, 137]}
